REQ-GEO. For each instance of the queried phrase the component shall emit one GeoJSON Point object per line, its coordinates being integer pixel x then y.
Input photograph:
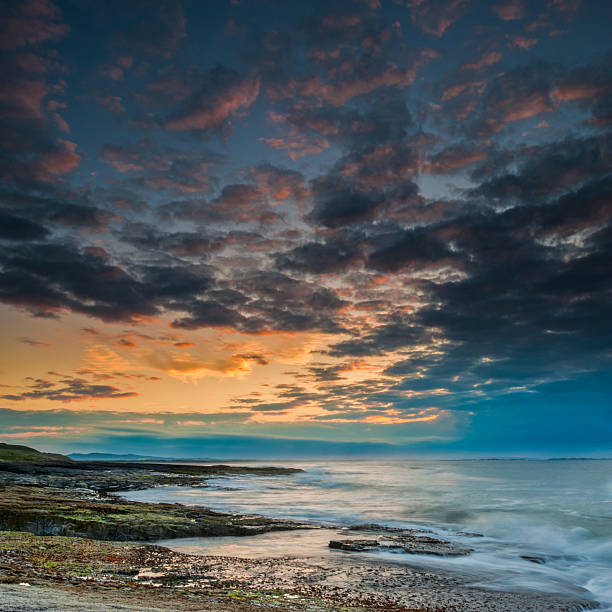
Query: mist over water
{"type": "Point", "coordinates": [559, 511]}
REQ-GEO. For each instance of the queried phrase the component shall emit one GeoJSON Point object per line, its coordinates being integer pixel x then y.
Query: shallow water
{"type": "Point", "coordinates": [560, 511]}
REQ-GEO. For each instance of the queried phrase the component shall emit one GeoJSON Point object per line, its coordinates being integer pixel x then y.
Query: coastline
{"type": "Point", "coordinates": [58, 503]}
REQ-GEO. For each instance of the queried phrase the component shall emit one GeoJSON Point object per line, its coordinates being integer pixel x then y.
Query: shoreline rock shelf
{"type": "Point", "coordinates": [408, 543]}
{"type": "Point", "coordinates": [69, 498]}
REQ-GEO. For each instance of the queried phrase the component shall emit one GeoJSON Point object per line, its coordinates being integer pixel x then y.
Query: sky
{"type": "Point", "coordinates": [260, 228]}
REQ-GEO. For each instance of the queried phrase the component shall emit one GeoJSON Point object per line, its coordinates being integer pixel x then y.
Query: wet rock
{"type": "Point", "coordinates": [354, 545]}
{"type": "Point", "coordinates": [425, 545]}
{"type": "Point", "coordinates": [407, 543]}
{"type": "Point", "coordinates": [534, 559]}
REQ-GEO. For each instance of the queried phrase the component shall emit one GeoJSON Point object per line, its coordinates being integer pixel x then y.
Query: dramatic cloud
{"type": "Point", "coordinates": [377, 219]}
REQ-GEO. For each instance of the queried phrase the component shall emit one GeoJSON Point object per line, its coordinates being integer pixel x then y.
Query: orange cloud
{"type": "Point", "coordinates": [42, 431]}
{"type": "Point", "coordinates": [186, 366]}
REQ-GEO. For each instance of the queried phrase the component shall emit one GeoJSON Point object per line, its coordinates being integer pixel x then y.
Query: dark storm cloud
{"type": "Point", "coordinates": [391, 335]}
{"type": "Point", "coordinates": [338, 203]}
{"type": "Point", "coordinates": [414, 248]}
{"type": "Point", "coordinates": [59, 208]}
{"type": "Point", "coordinates": [549, 169]}
{"type": "Point", "coordinates": [321, 258]}
{"type": "Point", "coordinates": [280, 302]}
{"type": "Point", "coordinates": [184, 244]}
{"type": "Point", "coordinates": [521, 294]}
{"type": "Point", "coordinates": [18, 228]}
{"type": "Point", "coordinates": [210, 314]}
{"type": "Point", "coordinates": [49, 277]}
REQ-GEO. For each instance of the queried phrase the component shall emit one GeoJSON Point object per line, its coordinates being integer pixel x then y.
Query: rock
{"type": "Point", "coordinates": [74, 500]}
{"type": "Point", "coordinates": [354, 545]}
{"type": "Point", "coordinates": [407, 543]}
{"type": "Point", "coordinates": [425, 545]}
{"type": "Point", "coordinates": [534, 559]}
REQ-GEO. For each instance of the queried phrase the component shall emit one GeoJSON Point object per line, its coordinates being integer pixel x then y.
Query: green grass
{"type": "Point", "coordinates": [25, 454]}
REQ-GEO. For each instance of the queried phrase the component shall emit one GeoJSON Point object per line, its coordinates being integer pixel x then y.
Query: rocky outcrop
{"type": "Point", "coordinates": [72, 499]}
{"type": "Point", "coordinates": [355, 545]}
{"type": "Point", "coordinates": [405, 542]}
{"type": "Point", "coordinates": [55, 512]}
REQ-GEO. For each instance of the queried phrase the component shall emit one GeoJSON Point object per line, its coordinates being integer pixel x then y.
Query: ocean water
{"type": "Point", "coordinates": [557, 510]}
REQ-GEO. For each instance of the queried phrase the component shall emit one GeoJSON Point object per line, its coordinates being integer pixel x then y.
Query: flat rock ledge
{"type": "Point", "coordinates": [407, 543]}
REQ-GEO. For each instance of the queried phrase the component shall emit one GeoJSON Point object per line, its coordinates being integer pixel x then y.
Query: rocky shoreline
{"type": "Point", "coordinates": [72, 499]}
{"type": "Point", "coordinates": [67, 542]}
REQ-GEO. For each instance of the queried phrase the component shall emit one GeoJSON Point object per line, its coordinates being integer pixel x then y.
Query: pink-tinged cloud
{"type": "Point", "coordinates": [453, 91]}
{"type": "Point", "coordinates": [486, 59]}
{"type": "Point", "coordinates": [60, 161]}
{"type": "Point", "coordinates": [29, 22]}
{"type": "Point", "coordinates": [297, 145]}
{"type": "Point", "coordinates": [436, 17]}
{"type": "Point", "coordinates": [111, 103]}
{"type": "Point", "coordinates": [522, 42]}
{"type": "Point", "coordinates": [340, 22]}
{"type": "Point", "coordinates": [351, 80]}
{"type": "Point", "coordinates": [280, 184]}
{"type": "Point", "coordinates": [23, 98]}
{"type": "Point", "coordinates": [115, 73]}
{"type": "Point", "coordinates": [579, 91]}
{"type": "Point", "coordinates": [122, 159]}
{"type": "Point", "coordinates": [61, 123]}
{"type": "Point", "coordinates": [29, 62]}
{"type": "Point", "coordinates": [125, 61]}
{"type": "Point", "coordinates": [381, 166]}
{"type": "Point", "coordinates": [454, 158]}
{"type": "Point", "coordinates": [565, 6]}
{"type": "Point", "coordinates": [340, 92]}
{"type": "Point", "coordinates": [517, 107]}
{"type": "Point", "coordinates": [204, 111]}
{"type": "Point", "coordinates": [509, 10]}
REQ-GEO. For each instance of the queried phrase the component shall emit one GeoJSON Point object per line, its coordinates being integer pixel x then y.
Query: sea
{"type": "Point", "coordinates": [557, 512]}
